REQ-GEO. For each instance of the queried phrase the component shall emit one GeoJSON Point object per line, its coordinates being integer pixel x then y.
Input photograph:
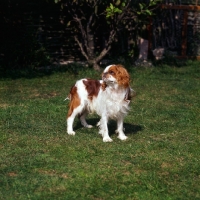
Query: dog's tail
{"type": "Point", "coordinates": [68, 97]}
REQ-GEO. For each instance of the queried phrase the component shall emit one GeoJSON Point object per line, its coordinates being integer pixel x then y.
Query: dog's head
{"type": "Point", "coordinates": [116, 75]}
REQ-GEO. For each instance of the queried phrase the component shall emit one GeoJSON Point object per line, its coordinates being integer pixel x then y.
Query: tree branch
{"type": "Point", "coordinates": [107, 46]}
{"type": "Point", "coordinates": [81, 47]}
{"type": "Point", "coordinates": [80, 27]}
{"type": "Point", "coordinates": [102, 54]}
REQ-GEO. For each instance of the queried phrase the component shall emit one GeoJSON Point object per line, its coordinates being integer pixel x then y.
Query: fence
{"type": "Point", "coordinates": [177, 28]}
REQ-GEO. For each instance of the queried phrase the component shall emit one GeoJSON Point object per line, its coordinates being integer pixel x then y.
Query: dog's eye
{"type": "Point", "coordinates": [111, 72]}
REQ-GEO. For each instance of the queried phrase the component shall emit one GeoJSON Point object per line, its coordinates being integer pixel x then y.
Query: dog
{"type": "Point", "coordinates": [109, 98]}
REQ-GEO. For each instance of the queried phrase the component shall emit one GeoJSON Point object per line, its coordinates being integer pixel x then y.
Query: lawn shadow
{"type": "Point", "coordinates": [129, 128]}
{"type": "Point", "coordinates": [29, 73]}
{"type": "Point", "coordinates": [132, 129]}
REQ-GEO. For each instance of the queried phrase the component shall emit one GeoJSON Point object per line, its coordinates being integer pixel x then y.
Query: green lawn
{"type": "Point", "coordinates": [160, 159]}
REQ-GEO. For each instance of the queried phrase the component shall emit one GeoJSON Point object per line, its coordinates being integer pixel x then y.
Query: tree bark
{"type": "Point", "coordinates": [90, 39]}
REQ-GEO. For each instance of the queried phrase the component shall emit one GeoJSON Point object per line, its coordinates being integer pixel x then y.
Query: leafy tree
{"type": "Point", "coordinates": [89, 17]}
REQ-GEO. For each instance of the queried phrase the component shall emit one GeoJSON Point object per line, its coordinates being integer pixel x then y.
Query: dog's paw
{"type": "Point", "coordinates": [71, 132]}
{"type": "Point", "coordinates": [107, 139]}
{"type": "Point", "coordinates": [122, 137]}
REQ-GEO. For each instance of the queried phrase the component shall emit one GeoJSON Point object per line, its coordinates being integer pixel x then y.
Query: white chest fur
{"type": "Point", "coordinates": [111, 103]}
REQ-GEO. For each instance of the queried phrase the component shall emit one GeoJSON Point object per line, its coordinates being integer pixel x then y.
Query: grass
{"type": "Point", "coordinates": [160, 159]}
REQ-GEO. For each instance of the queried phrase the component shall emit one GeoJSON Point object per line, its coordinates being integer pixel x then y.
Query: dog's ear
{"type": "Point", "coordinates": [122, 76]}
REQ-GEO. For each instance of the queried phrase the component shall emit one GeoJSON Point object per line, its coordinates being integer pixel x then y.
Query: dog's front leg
{"type": "Point", "coordinates": [104, 129]}
{"type": "Point", "coordinates": [120, 129]}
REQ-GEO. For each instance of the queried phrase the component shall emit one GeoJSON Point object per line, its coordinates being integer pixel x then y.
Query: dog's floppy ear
{"type": "Point", "coordinates": [123, 76]}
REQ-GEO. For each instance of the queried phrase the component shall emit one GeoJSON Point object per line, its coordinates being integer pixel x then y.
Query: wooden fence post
{"type": "Point", "coordinates": [184, 33]}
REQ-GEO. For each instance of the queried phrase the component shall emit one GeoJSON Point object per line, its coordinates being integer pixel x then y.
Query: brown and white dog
{"type": "Point", "coordinates": [109, 98]}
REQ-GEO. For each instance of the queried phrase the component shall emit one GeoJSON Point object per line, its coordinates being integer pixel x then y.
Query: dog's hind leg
{"type": "Point", "coordinates": [82, 118]}
{"type": "Point", "coordinates": [75, 107]}
{"type": "Point", "coordinates": [70, 119]}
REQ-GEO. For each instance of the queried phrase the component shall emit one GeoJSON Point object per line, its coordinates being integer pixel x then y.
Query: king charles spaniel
{"type": "Point", "coordinates": [109, 98]}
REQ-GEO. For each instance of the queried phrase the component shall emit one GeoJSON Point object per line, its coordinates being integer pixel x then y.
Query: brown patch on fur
{"type": "Point", "coordinates": [121, 74]}
{"type": "Point", "coordinates": [103, 86]}
{"type": "Point", "coordinates": [92, 87]}
{"type": "Point", "coordinates": [74, 100]}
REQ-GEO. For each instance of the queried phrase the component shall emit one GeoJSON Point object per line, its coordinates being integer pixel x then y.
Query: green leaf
{"type": "Point", "coordinates": [117, 10]}
{"type": "Point", "coordinates": [107, 9]}
{"type": "Point", "coordinates": [111, 6]}
{"type": "Point", "coordinates": [108, 15]}
{"type": "Point", "coordinates": [141, 6]}
{"type": "Point", "coordinates": [148, 12]}
{"type": "Point", "coordinates": [154, 2]}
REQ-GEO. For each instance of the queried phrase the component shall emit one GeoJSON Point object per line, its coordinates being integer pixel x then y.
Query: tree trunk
{"type": "Point", "coordinates": [93, 62]}
{"type": "Point", "coordinates": [90, 46]}
{"type": "Point", "coordinates": [96, 67]}
{"type": "Point", "coordinates": [90, 43]}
